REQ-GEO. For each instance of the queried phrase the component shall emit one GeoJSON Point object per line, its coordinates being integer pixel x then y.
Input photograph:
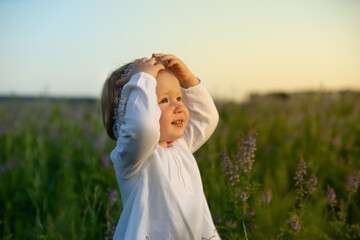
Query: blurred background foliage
{"type": "Point", "coordinates": [57, 181]}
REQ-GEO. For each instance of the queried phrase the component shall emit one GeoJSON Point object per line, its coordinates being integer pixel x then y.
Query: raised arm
{"type": "Point", "coordinates": [139, 134]}
{"type": "Point", "coordinates": [203, 115]}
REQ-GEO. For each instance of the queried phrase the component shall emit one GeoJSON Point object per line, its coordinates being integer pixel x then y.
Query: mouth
{"type": "Point", "coordinates": [178, 123]}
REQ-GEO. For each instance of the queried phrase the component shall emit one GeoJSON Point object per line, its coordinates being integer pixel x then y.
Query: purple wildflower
{"type": "Point", "coordinates": [299, 177]}
{"type": "Point", "coordinates": [109, 233]}
{"type": "Point", "coordinates": [230, 224]}
{"type": "Point", "coordinates": [227, 164]}
{"type": "Point", "coordinates": [228, 169]}
{"type": "Point", "coordinates": [246, 152]}
{"type": "Point", "coordinates": [245, 195]}
{"type": "Point", "coordinates": [249, 227]}
{"type": "Point", "coordinates": [331, 196]}
{"type": "Point", "coordinates": [218, 219]}
{"type": "Point", "coordinates": [243, 161]}
{"type": "Point", "coordinates": [303, 187]}
{"type": "Point", "coordinates": [267, 196]}
{"type": "Point", "coordinates": [353, 181]}
{"type": "Point", "coordinates": [294, 225]}
{"type": "Point", "coordinates": [250, 213]}
{"type": "Point", "coordinates": [311, 184]}
{"type": "Point", "coordinates": [112, 196]}
{"type": "Point", "coordinates": [105, 161]}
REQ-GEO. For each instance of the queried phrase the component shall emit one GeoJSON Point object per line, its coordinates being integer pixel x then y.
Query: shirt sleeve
{"type": "Point", "coordinates": [140, 132]}
{"type": "Point", "coordinates": [203, 116]}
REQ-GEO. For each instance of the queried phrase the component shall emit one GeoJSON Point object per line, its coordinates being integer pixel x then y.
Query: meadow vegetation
{"type": "Point", "coordinates": [277, 167]}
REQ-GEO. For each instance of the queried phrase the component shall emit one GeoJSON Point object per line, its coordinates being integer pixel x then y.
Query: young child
{"type": "Point", "coordinates": [162, 115]}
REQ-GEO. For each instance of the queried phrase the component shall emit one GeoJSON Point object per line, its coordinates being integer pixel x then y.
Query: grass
{"type": "Point", "coordinates": [56, 176]}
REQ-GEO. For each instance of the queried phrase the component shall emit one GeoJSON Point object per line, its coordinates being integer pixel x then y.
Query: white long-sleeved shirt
{"type": "Point", "coordinates": [161, 188]}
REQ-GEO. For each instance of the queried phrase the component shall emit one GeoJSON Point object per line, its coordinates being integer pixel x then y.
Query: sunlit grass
{"type": "Point", "coordinates": [56, 175]}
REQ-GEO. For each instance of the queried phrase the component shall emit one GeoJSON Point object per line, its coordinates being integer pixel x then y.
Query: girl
{"type": "Point", "coordinates": [162, 115]}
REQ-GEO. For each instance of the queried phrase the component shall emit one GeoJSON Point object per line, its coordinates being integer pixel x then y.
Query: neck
{"type": "Point", "coordinates": [165, 144]}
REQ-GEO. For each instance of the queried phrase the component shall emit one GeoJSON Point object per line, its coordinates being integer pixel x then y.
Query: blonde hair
{"type": "Point", "coordinates": [109, 99]}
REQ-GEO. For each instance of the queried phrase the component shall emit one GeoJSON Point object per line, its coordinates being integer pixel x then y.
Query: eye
{"type": "Point", "coordinates": [179, 99]}
{"type": "Point", "coordinates": [165, 100]}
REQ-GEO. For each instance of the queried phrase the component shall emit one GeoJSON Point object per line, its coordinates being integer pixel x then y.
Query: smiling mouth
{"type": "Point", "coordinates": [178, 123]}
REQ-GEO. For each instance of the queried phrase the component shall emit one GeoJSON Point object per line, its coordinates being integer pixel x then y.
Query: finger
{"type": "Point", "coordinates": [161, 62]}
{"type": "Point", "coordinates": [152, 61]}
{"type": "Point", "coordinates": [172, 63]}
{"type": "Point", "coordinates": [156, 55]}
{"type": "Point", "coordinates": [167, 57]}
{"type": "Point", "coordinates": [159, 66]}
{"type": "Point", "coordinates": [140, 60]}
{"type": "Point", "coordinates": [121, 82]}
{"type": "Point", "coordinates": [163, 57]}
{"type": "Point", "coordinates": [143, 60]}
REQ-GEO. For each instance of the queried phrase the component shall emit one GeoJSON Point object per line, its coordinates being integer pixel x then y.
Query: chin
{"type": "Point", "coordinates": [176, 137]}
{"type": "Point", "coordinates": [180, 136]}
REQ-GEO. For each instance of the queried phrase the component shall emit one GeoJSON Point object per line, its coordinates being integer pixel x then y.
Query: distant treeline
{"type": "Point", "coordinates": [252, 96]}
{"type": "Point", "coordinates": [285, 95]}
{"type": "Point", "coordinates": [7, 98]}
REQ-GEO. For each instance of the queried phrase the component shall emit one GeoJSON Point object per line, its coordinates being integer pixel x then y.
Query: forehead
{"type": "Point", "coordinates": [166, 81]}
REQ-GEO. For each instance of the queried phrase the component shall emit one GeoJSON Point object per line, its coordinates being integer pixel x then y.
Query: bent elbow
{"type": "Point", "coordinates": [214, 119]}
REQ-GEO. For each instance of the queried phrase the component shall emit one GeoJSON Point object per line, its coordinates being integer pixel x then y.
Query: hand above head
{"type": "Point", "coordinates": [181, 71]}
{"type": "Point", "coordinates": [149, 66]}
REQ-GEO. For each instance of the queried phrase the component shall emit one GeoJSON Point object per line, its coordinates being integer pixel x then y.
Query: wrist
{"type": "Point", "coordinates": [193, 81]}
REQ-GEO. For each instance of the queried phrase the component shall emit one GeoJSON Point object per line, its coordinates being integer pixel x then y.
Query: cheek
{"type": "Point", "coordinates": [164, 117]}
{"type": "Point", "coordinates": [186, 111]}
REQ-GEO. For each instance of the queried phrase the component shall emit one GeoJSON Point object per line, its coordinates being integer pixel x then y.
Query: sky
{"type": "Point", "coordinates": [68, 48]}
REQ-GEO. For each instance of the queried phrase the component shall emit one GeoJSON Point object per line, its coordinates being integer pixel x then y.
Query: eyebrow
{"type": "Point", "coordinates": [169, 91]}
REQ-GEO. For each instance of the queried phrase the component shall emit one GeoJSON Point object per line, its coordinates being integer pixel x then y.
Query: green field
{"type": "Point", "coordinates": [57, 181]}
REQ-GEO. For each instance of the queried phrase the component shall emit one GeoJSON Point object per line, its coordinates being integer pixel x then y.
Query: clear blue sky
{"type": "Point", "coordinates": [67, 48]}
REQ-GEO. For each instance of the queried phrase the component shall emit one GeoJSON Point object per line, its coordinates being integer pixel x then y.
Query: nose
{"type": "Point", "coordinates": [179, 107]}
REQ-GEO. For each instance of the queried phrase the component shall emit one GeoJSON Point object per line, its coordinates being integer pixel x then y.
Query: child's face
{"type": "Point", "coordinates": [174, 114]}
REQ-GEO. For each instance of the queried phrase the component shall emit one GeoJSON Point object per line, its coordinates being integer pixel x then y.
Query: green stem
{"type": "Point", "coordinates": [244, 230]}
